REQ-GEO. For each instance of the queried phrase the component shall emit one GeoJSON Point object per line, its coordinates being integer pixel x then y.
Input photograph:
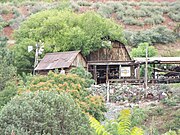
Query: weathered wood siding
{"type": "Point", "coordinates": [118, 52]}
{"type": "Point", "coordinates": [79, 61]}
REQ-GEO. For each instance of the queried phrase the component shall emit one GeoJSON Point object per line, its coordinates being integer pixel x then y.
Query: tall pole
{"type": "Point", "coordinates": [146, 70]}
{"type": "Point", "coordinates": [36, 58]}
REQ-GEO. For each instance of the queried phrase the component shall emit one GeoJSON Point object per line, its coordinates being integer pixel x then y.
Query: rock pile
{"type": "Point", "coordinates": [130, 93]}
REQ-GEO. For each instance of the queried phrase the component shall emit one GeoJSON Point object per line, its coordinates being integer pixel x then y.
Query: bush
{"type": "Point", "coordinates": [7, 93]}
{"type": "Point", "coordinates": [71, 84]}
{"type": "Point", "coordinates": [130, 20]}
{"type": "Point", "coordinates": [105, 11]}
{"type": "Point", "coordinates": [120, 15]}
{"type": "Point", "coordinates": [158, 19]}
{"type": "Point", "coordinates": [81, 72]}
{"type": "Point", "coordinates": [149, 21]}
{"type": "Point", "coordinates": [83, 3]}
{"type": "Point", "coordinates": [116, 6]}
{"type": "Point", "coordinates": [43, 112]}
{"type": "Point", "coordinates": [7, 70]}
{"type": "Point", "coordinates": [156, 35]}
{"type": "Point", "coordinates": [174, 16]}
{"type": "Point", "coordinates": [122, 126]}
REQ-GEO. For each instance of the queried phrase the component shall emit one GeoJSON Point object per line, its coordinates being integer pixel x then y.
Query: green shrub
{"type": "Point", "coordinates": [83, 3]}
{"type": "Point", "coordinates": [130, 12]}
{"type": "Point", "coordinates": [156, 35]}
{"type": "Point", "coordinates": [140, 13]}
{"type": "Point", "coordinates": [122, 126]}
{"type": "Point", "coordinates": [105, 11]}
{"type": "Point", "coordinates": [43, 112]}
{"type": "Point", "coordinates": [120, 15]}
{"type": "Point", "coordinates": [129, 20]}
{"type": "Point", "coordinates": [7, 70]}
{"type": "Point", "coordinates": [8, 92]}
{"type": "Point", "coordinates": [158, 19]}
{"type": "Point", "coordinates": [139, 115]}
{"type": "Point", "coordinates": [81, 72]}
{"type": "Point", "coordinates": [71, 84]}
{"type": "Point", "coordinates": [116, 6]}
{"type": "Point", "coordinates": [5, 11]}
{"type": "Point", "coordinates": [174, 16]}
{"type": "Point", "coordinates": [149, 21]}
{"type": "Point", "coordinates": [170, 132]}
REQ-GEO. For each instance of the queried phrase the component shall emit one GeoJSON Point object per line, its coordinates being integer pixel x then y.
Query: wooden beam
{"type": "Point", "coordinates": [107, 72]}
{"type": "Point", "coordinates": [95, 73]}
{"type": "Point", "coordinates": [119, 71]}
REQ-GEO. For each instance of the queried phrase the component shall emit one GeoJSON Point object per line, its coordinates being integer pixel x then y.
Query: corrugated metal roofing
{"type": "Point", "coordinates": [57, 60]}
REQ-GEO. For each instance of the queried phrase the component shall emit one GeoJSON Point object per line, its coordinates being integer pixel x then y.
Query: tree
{"type": "Point", "coordinates": [140, 51]}
{"type": "Point", "coordinates": [43, 112]}
{"type": "Point", "coordinates": [64, 31]}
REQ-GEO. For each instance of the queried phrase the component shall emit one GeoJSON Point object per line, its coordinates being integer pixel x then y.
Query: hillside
{"type": "Point", "coordinates": [142, 20]}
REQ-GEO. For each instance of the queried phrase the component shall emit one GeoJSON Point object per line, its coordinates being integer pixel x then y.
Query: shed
{"type": "Point", "coordinates": [111, 63]}
{"type": "Point", "coordinates": [61, 60]}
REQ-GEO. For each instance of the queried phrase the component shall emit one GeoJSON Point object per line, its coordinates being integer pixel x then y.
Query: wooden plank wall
{"type": "Point", "coordinates": [118, 52]}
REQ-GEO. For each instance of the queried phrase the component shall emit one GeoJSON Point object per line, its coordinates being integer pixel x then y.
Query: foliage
{"type": "Point", "coordinates": [8, 92]}
{"type": "Point", "coordinates": [138, 116]}
{"type": "Point", "coordinates": [170, 102]}
{"type": "Point", "coordinates": [72, 84]}
{"type": "Point", "coordinates": [170, 132]}
{"type": "Point", "coordinates": [81, 72]}
{"type": "Point", "coordinates": [63, 31]}
{"type": "Point", "coordinates": [141, 50]}
{"type": "Point", "coordinates": [156, 35]}
{"type": "Point", "coordinates": [100, 129]}
{"type": "Point", "coordinates": [105, 11]}
{"type": "Point", "coordinates": [120, 127]}
{"type": "Point", "coordinates": [43, 112]}
{"type": "Point", "coordinates": [7, 70]}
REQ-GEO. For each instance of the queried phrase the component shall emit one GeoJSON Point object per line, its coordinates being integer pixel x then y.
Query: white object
{"type": "Point", "coordinates": [62, 71]}
{"type": "Point", "coordinates": [41, 49]}
{"type": "Point", "coordinates": [30, 48]}
{"type": "Point", "coordinates": [125, 71]}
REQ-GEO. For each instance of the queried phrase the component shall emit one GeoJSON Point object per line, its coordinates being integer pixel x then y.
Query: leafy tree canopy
{"type": "Point", "coordinates": [140, 51]}
{"type": "Point", "coordinates": [63, 31]}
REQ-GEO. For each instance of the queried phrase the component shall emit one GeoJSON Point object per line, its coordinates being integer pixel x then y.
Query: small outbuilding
{"type": "Point", "coordinates": [61, 61]}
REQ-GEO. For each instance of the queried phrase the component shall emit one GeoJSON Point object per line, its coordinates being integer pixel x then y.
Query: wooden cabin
{"type": "Point", "coordinates": [111, 63]}
{"type": "Point", "coordinates": [61, 61]}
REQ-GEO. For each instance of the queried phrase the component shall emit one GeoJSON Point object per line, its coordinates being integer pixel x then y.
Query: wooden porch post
{"type": "Point", "coordinates": [107, 82]}
{"type": "Point", "coordinates": [107, 71]}
{"type": "Point", "coordinates": [95, 74]}
{"type": "Point", "coordinates": [119, 71]}
{"type": "Point", "coordinates": [138, 72]}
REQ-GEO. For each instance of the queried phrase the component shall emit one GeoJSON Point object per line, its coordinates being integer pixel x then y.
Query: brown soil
{"type": "Point", "coordinates": [7, 17]}
{"type": "Point", "coordinates": [24, 11]}
{"type": "Point", "coordinates": [8, 31]}
{"type": "Point", "coordinates": [172, 49]}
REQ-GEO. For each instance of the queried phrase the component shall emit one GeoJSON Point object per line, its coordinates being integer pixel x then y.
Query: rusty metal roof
{"type": "Point", "coordinates": [57, 60]}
